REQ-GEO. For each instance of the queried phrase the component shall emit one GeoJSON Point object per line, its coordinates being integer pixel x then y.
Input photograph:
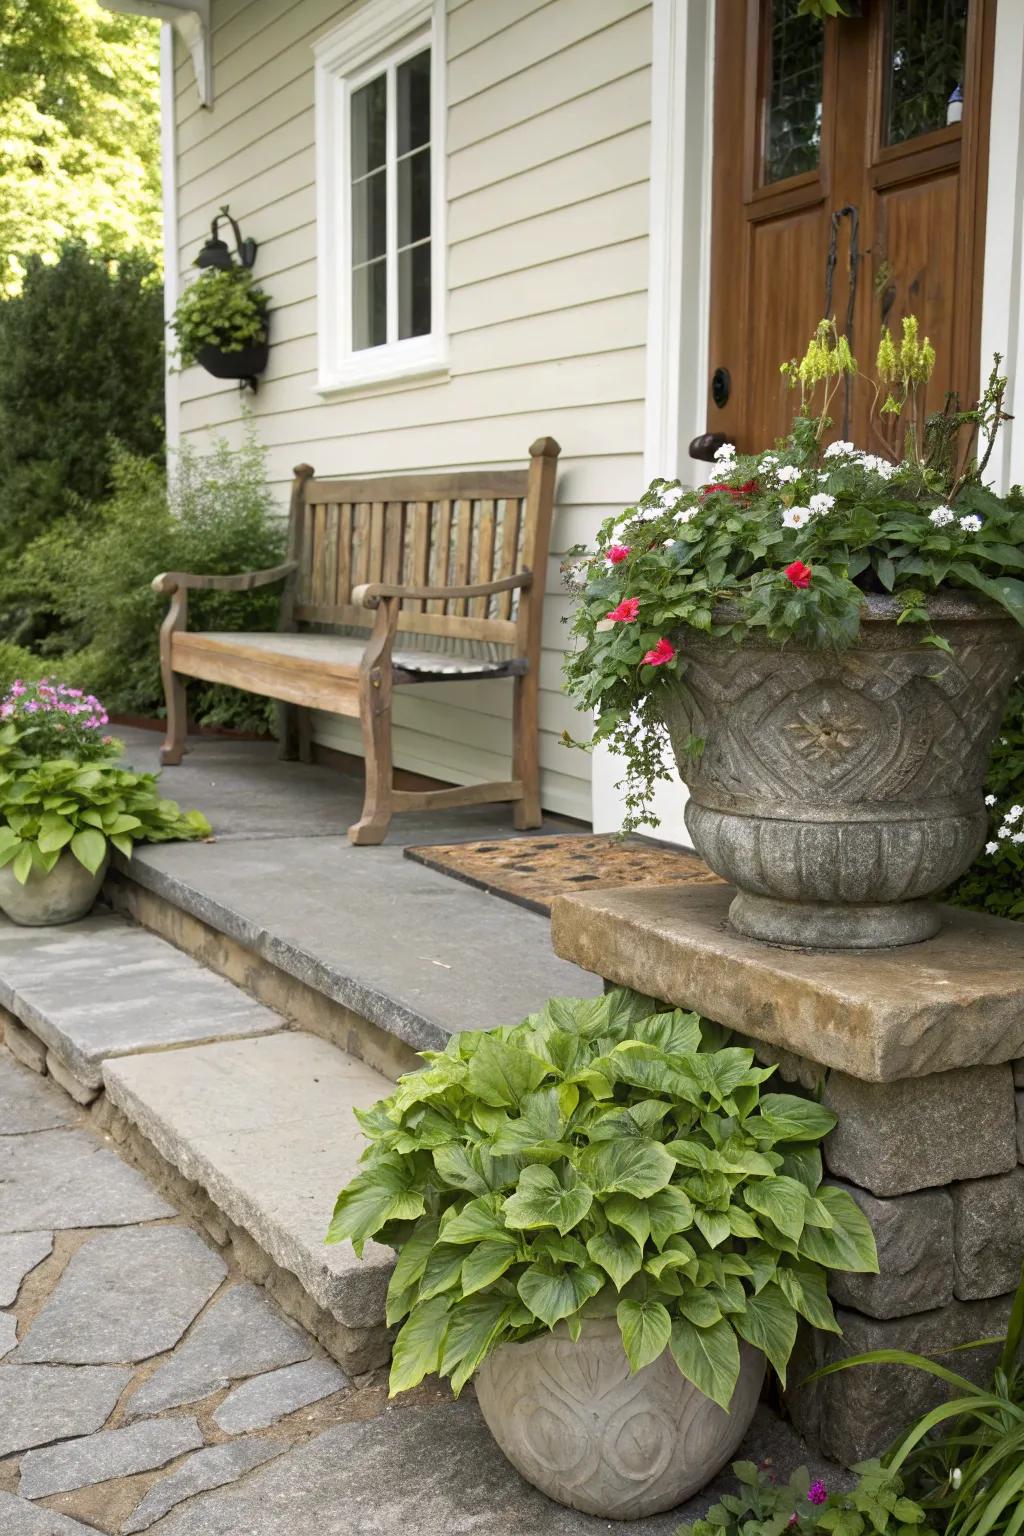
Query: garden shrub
{"type": "Point", "coordinates": [16, 662]}
{"type": "Point", "coordinates": [81, 355]}
{"type": "Point", "coordinates": [995, 881]}
{"type": "Point", "coordinates": [91, 575]}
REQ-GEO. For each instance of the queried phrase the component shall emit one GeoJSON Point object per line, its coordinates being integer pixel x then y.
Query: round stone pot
{"type": "Point", "coordinates": [66, 893]}
{"type": "Point", "coordinates": [839, 789]}
{"type": "Point", "coordinates": [585, 1431]}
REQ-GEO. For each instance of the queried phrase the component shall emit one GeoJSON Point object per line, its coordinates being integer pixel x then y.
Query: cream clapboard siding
{"type": "Point", "coordinates": [547, 163]}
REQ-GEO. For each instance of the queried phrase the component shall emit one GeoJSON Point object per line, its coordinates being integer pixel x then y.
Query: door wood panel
{"type": "Point", "coordinates": [907, 217]}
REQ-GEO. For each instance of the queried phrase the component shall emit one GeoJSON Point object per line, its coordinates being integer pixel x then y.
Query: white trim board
{"type": "Point", "coordinates": [679, 288]}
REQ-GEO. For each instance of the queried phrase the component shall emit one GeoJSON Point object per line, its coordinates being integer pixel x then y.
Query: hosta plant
{"type": "Point", "coordinates": [785, 544]}
{"type": "Point", "coordinates": [599, 1157]}
{"type": "Point", "coordinates": [62, 786]}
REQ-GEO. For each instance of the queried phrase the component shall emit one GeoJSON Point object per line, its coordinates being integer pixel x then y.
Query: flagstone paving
{"type": "Point", "coordinates": [151, 1389]}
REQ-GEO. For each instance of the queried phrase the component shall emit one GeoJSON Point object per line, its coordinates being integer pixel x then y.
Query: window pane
{"type": "Point", "coordinates": [369, 119]}
{"type": "Point", "coordinates": [413, 92]}
{"type": "Point", "coordinates": [414, 198]}
{"type": "Point", "coordinates": [369, 217]}
{"type": "Point", "coordinates": [369, 306]}
{"type": "Point", "coordinates": [924, 66]}
{"type": "Point", "coordinates": [793, 115]}
{"type": "Point", "coordinates": [414, 291]}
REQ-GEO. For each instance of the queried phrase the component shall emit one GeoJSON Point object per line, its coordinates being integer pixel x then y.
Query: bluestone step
{"type": "Point", "coordinates": [103, 987]}
{"type": "Point", "coordinates": [265, 1126]}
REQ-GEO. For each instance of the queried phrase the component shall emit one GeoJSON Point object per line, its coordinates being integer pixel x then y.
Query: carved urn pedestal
{"type": "Point", "coordinates": [838, 790]}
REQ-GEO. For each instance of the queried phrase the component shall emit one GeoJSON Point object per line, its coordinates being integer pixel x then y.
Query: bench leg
{"type": "Point", "coordinates": [378, 805]}
{"type": "Point", "coordinates": [525, 759]}
{"type": "Point", "coordinates": [173, 749]}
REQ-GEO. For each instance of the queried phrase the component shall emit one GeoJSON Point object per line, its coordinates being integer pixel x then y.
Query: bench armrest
{"type": "Point", "coordinates": [244, 581]}
{"type": "Point", "coordinates": [370, 593]}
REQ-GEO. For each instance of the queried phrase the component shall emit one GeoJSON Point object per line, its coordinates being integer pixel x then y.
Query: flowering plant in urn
{"type": "Point", "coordinates": [825, 638]}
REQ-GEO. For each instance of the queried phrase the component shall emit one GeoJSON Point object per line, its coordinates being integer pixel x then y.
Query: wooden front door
{"type": "Point", "coordinates": [848, 179]}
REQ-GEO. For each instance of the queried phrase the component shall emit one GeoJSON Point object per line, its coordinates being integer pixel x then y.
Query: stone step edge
{"type": "Point", "coordinates": [360, 1350]}
{"type": "Point", "coordinates": [385, 1014]}
{"type": "Point", "coordinates": [271, 973]}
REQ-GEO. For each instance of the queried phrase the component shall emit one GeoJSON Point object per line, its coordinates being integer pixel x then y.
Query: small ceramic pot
{"type": "Point", "coordinates": [579, 1426]}
{"type": "Point", "coordinates": [65, 894]}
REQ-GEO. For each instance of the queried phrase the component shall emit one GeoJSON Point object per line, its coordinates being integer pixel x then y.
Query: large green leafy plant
{"type": "Point", "coordinates": [85, 804]}
{"type": "Point", "coordinates": [600, 1156]}
{"type": "Point", "coordinates": [785, 545]}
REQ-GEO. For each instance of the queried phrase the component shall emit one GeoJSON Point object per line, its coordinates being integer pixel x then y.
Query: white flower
{"type": "Point", "coordinates": [727, 451]}
{"type": "Point", "coordinates": [768, 459]}
{"type": "Point", "coordinates": [839, 450]}
{"type": "Point", "coordinates": [970, 523]}
{"type": "Point", "coordinates": [796, 517]}
{"type": "Point", "coordinates": [670, 495]}
{"type": "Point", "coordinates": [1018, 837]}
{"type": "Point", "coordinates": [940, 516]}
{"type": "Point", "coordinates": [1015, 813]}
{"type": "Point", "coordinates": [990, 799]}
{"type": "Point", "coordinates": [685, 515]}
{"type": "Point", "coordinates": [787, 473]}
{"type": "Point", "coordinates": [821, 502]}
{"type": "Point", "coordinates": [647, 514]}
{"type": "Point", "coordinates": [991, 847]}
{"type": "Point", "coordinates": [879, 465]}
{"type": "Point", "coordinates": [1005, 829]}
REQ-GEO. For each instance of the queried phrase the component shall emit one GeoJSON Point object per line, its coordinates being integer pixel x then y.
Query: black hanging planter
{"type": "Point", "coordinates": [245, 366]}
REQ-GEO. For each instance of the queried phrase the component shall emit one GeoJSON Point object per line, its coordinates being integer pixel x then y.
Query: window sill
{"type": "Point", "coordinates": [383, 375]}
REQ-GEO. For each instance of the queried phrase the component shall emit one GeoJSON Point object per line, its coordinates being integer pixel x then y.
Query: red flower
{"type": "Point", "coordinates": [748, 488]}
{"type": "Point", "coordinates": [662, 652]}
{"type": "Point", "coordinates": [798, 573]}
{"type": "Point", "coordinates": [617, 553]}
{"type": "Point", "coordinates": [626, 612]}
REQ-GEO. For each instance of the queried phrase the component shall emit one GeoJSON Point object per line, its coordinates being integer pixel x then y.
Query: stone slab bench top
{"type": "Point", "coordinates": [956, 1000]}
{"type": "Point", "coordinates": [102, 987]}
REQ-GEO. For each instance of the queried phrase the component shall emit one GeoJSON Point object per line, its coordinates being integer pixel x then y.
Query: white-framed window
{"type": "Point", "coordinates": [380, 194]}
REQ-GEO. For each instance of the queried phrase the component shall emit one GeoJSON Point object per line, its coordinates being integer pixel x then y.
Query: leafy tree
{"type": "Point", "coordinates": [81, 357]}
{"type": "Point", "coordinates": [79, 132]}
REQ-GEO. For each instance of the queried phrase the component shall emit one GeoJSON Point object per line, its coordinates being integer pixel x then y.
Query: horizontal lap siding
{"type": "Point", "coordinates": [548, 148]}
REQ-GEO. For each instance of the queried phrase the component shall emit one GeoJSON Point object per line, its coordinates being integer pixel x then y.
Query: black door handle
{"type": "Point", "coordinates": [707, 445]}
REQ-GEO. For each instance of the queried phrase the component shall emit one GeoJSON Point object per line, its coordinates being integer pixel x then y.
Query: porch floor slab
{"type": "Point", "coordinates": [417, 954]}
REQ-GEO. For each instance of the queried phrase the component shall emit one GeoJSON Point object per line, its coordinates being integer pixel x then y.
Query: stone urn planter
{"type": "Point", "coordinates": [580, 1427]}
{"type": "Point", "coordinates": [68, 892]}
{"type": "Point", "coordinates": [839, 790]}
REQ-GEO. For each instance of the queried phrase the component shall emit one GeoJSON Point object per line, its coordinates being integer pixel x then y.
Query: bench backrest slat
{"type": "Point", "coordinates": [441, 530]}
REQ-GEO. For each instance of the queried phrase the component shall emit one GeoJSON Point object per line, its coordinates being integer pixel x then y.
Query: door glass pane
{"type": "Point", "coordinates": [369, 305]}
{"type": "Point", "coordinates": [369, 121]}
{"type": "Point", "coordinates": [924, 67]}
{"type": "Point", "coordinates": [792, 140]}
{"type": "Point", "coordinates": [412, 89]}
{"type": "Point", "coordinates": [414, 291]}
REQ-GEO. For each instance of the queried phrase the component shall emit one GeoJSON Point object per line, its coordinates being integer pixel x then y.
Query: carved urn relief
{"type": "Point", "coordinates": [839, 790]}
{"type": "Point", "coordinates": [576, 1423]}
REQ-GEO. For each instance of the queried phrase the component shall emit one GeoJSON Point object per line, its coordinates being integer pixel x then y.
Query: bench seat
{"type": "Point", "coordinates": [340, 655]}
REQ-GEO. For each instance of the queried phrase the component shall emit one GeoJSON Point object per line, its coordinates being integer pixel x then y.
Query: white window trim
{"type": "Point", "coordinates": [345, 59]}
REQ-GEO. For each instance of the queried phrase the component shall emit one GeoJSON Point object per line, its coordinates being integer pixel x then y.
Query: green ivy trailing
{"type": "Point", "coordinates": [600, 1157]}
{"type": "Point", "coordinates": [222, 308]}
{"type": "Point", "coordinates": [995, 881]}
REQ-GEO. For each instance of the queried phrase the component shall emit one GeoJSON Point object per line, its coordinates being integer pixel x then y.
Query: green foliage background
{"type": "Point", "coordinates": [81, 356]}
{"type": "Point", "coordinates": [88, 577]}
{"type": "Point", "coordinates": [80, 130]}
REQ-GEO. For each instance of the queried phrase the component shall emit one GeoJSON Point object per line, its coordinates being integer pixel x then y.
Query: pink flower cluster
{"type": "Point", "coordinates": [32, 701]}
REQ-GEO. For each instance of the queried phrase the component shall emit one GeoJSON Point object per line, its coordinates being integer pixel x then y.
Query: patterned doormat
{"type": "Point", "coordinates": [532, 871]}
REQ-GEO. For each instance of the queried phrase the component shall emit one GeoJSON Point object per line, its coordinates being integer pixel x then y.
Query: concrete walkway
{"type": "Point", "coordinates": [146, 1386]}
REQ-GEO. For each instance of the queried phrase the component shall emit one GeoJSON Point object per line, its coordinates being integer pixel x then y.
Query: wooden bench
{"type": "Point", "coordinates": [388, 583]}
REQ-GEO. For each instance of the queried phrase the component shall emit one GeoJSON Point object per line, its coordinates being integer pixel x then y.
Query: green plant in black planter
{"type": "Point", "coordinates": [221, 312]}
